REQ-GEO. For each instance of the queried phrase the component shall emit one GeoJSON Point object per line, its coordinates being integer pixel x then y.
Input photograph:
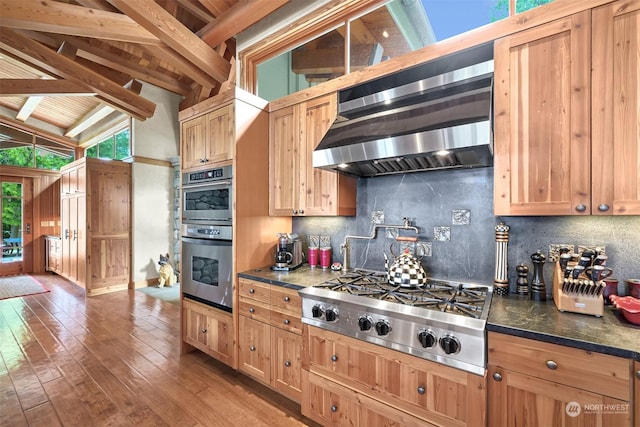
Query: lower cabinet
{"type": "Point", "coordinates": [636, 392]}
{"type": "Point", "coordinates": [534, 383]}
{"type": "Point", "coordinates": [270, 342]}
{"type": "Point", "coordinates": [351, 382]}
{"type": "Point", "coordinates": [208, 329]}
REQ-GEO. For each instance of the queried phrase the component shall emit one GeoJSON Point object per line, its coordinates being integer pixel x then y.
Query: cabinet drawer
{"type": "Point", "coordinates": [286, 299]}
{"type": "Point", "coordinates": [254, 310]}
{"type": "Point", "coordinates": [594, 372]}
{"type": "Point", "coordinates": [286, 321]}
{"type": "Point", "coordinates": [254, 290]}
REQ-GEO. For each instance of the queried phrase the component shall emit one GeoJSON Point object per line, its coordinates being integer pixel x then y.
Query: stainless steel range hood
{"type": "Point", "coordinates": [433, 116]}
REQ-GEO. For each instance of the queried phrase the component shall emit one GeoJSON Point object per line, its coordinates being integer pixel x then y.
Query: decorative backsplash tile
{"type": "Point", "coordinates": [442, 234]}
{"type": "Point", "coordinates": [460, 217]}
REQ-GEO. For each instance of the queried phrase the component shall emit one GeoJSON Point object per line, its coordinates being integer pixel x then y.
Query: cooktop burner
{"type": "Point", "coordinates": [441, 295]}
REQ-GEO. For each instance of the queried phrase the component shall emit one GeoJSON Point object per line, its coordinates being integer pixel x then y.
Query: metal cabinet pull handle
{"type": "Point", "coordinates": [295, 212]}
{"type": "Point", "coordinates": [334, 408]}
{"type": "Point", "coordinates": [287, 321]}
{"type": "Point", "coordinates": [286, 299]}
{"type": "Point", "coordinates": [638, 374]}
{"type": "Point", "coordinates": [334, 358]}
{"type": "Point", "coordinates": [421, 390]}
{"type": "Point", "coordinates": [287, 363]}
{"type": "Point", "coordinates": [252, 310]}
{"type": "Point", "coordinates": [204, 331]}
{"type": "Point", "coordinates": [552, 365]}
{"type": "Point", "coordinates": [252, 291]}
{"type": "Point", "coordinates": [603, 207]}
{"type": "Point", "coordinates": [497, 376]}
{"type": "Point", "coordinates": [301, 211]}
{"type": "Point", "coordinates": [252, 348]}
{"type": "Point", "coordinates": [581, 208]}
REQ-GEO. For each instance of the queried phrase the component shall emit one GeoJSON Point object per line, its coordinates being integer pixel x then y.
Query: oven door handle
{"type": "Point", "coordinates": [207, 184]}
{"type": "Point", "coordinates": [207, 242]}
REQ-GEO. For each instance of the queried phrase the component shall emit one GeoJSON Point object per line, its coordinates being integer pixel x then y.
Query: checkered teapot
{"type": "Point", "coordinates": [405, 270]}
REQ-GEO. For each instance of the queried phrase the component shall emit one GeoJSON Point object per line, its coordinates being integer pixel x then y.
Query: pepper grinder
{"type": "Point", "coordinates": [523, 279]}
{"type": "Point", "coordinates": [501, 281]}
{"type": "Point", "coordinates": [538, 287]}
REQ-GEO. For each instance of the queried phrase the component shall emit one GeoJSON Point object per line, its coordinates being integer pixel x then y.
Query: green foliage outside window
{"type": "Point", "coordinates": [11, 209]}
{"type": "Point", "coordinates": [502, 7]}
{"type": "Point", "coordinates": [24, 157]}
{"type": "Point", "coordinates": [117, 147]}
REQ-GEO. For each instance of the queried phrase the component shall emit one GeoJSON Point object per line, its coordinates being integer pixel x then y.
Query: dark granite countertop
{"type": "Point", "coordinates": [512, 315]}
{"type": "Point", "coordinates": [542, 321]}
{"type": "Point", "coordinates": [299, 278]}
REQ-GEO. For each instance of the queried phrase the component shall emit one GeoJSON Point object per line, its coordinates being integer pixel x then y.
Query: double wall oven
{"type": "Point", "coordinates": [207, 236]}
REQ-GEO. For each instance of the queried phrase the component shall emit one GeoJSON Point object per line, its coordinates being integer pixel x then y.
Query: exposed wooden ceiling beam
{"type": "Point", "coordinates": [63, 18]}
{"type": "Point", "coordinates": [32, 52]}
{"type": "Point", "coordinates": [98, 113]}
{"type": "Point", "coordinates": [119, 61]}
{"type": "Point", "coordinates": [216, 7]}
{"type": "Point", "coordinates": [196, 9]}
{"type": "Point", "coordinates": [182, 65]}
{"type": "Point", "coordinates": [28, 107]}
{"type": "Point", "coordinates": [238, 18]}
{"type": "Point", "coordinates": [175, 35]}
{"type": "Point", "coordinates": [39, 87]}
{"type": "Point", "coordinates": [97, 4]}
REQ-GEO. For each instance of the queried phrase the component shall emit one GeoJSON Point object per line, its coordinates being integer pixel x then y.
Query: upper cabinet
{"type": "Point", "coordinates": [208, 139]}
{"type": "Point", "coordinates": [296, 188]}
{"type": "Point", "coordinates": [566, 140]}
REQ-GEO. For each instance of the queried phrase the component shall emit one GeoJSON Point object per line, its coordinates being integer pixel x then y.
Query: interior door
{"type": "Point", "coordinates": [17, 222]}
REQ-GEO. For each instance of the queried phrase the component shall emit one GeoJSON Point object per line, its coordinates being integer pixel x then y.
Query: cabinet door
{"type": "Point", "coordinates": [209, 330]}
{"type": "Point", "coordinates": [193, 142]}
{"type": "Point", "coordinates": [636, 392]}
{"type": "Point", "coordinates": [284, 155]}
{"type": "Point", "coordinates": [254, 349]}
{"type": "Point", "coordinates": [286, 349]}
{"type": "Point", "coordinates": [542, 120]}
{"type": "Point", "coordinates": [320, 191]}
{"type": "Point", "coordinates": [220, 135]}
{"type": "Point", "coordinates": [517, 399]}
{"type": "Point", "coordinates": [615, 107]}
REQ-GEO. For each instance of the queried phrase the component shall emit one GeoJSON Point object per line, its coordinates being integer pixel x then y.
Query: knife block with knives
{"type": "Point", "coordinates": [578, 286]}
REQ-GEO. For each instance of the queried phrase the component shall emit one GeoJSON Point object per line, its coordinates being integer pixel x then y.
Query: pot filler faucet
{"type": "Point", "coordinates": [346, 249]}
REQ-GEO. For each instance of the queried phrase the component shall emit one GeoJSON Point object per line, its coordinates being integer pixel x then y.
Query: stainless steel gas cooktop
{"type": "Point", "coordinates": [443, 321]}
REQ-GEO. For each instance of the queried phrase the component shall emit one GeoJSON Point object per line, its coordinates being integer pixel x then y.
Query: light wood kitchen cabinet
{"type": "Point", "coordinates": [208, 329]}
{"type": "Point", "coordinates": [566, 140]}
{"type": "Point", "coordinates": [296, 187]}
{"type": "Point", "coordinates": [96, 224]}
{"type": "Point", "coordinates": [208, 139]}
{"type": "Point", "coordinates": [270, 343]}
{"type": "Point", "coordinates": [53, 259]}
{"type": "Point", "coordinates": [636, 392]}
{"type": "Point", "coordinates": [410, 386]}
{"type": "Point", "coordinates": [537, 383]}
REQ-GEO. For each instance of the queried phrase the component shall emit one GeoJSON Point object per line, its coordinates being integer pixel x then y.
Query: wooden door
{"type": "Point", "coordinates": [615, 109]}
{"type": "Point", "coordinates": [286, 349]}
{"type": "Point", "coordinates": [319, 192]}
{"type": "Point", "coordinates": [193, 142]}
{"type": "Point", "coordinates": [220, 135]}
{"type": "Point", "coordinates": [542, 120]}
{"type": "Point", "coordinates": [284, 154]}
{"type": "Point", "coordinates": [517, 399]}
{"type": "Point", "coordinates": [254, 352]}
{"type": "Point", "coordinates": [16, 209]}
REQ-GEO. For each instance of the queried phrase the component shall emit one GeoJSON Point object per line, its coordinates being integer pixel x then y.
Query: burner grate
{"type": "Point", "coordinates": [437, 295]}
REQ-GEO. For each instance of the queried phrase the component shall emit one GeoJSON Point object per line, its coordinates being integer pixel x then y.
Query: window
{"type": "Point", "coordinates": [116, 146]}
{"type": "Point", "coordinates": [23, 149]}
{"type": "Point", "coordinates": [360, 39]}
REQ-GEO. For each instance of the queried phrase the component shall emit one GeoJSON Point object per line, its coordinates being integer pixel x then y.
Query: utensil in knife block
{"type": "Point", "coordinates": [569, 295]}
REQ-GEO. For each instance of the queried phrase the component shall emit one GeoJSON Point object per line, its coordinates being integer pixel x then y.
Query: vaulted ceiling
{"type": "Point", "coordinates": [71, 63]}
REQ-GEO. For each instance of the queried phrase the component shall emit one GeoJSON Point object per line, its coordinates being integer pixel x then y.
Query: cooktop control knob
{"type": "Point", "coordinates": [450, 344]}
{"type": "Point", "coordinates": [426, 338]}
{"type": "Point", "coordinates": [365, 323]}
{"type": "Point", "coordinates": [383, 327]}
{"type": "Point", "coordinates": [331, 314]}
{"type": "Point", "coordinates": [317, 310]}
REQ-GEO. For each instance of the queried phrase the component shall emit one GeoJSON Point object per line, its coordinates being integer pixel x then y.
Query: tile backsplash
{"type": "Point", "coordinates": [453, 210]}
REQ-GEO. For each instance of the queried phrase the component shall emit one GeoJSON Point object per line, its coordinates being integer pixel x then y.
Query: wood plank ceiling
{"type": "Point", "coordinates": [71, 63]}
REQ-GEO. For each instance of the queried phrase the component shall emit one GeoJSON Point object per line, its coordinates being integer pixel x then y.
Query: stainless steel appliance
{"type": "Point", "coordinates": [288, 255]}
{"type": "Point", "coordinates": [208, 195]}
{"type": "Point", "coordinates": [207, 264]}
{"type": "Point", "coordinates": [442, 321]}
{"type": "Point", "coordinates": [435, 115]}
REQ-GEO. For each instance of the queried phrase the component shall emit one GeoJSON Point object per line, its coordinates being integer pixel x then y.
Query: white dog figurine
{"type": "Point", "coordinates": [167, 276]}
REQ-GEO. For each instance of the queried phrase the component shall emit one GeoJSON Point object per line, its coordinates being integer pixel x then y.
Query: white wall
{"type": "Point", "coordinates": [153, 195]}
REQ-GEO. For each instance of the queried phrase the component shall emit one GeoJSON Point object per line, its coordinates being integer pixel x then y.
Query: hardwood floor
{"type": "Point", "coordinates": [113, 360]}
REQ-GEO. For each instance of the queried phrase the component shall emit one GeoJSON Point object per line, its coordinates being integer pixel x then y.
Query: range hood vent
{"type": "Point", "coordinates": [434, 116]}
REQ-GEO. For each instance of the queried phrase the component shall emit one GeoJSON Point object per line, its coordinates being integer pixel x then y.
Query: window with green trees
{"type": "Point", "coordinates": [26, 150]}
{"type": "Point", "coordinates": [116, 146]}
